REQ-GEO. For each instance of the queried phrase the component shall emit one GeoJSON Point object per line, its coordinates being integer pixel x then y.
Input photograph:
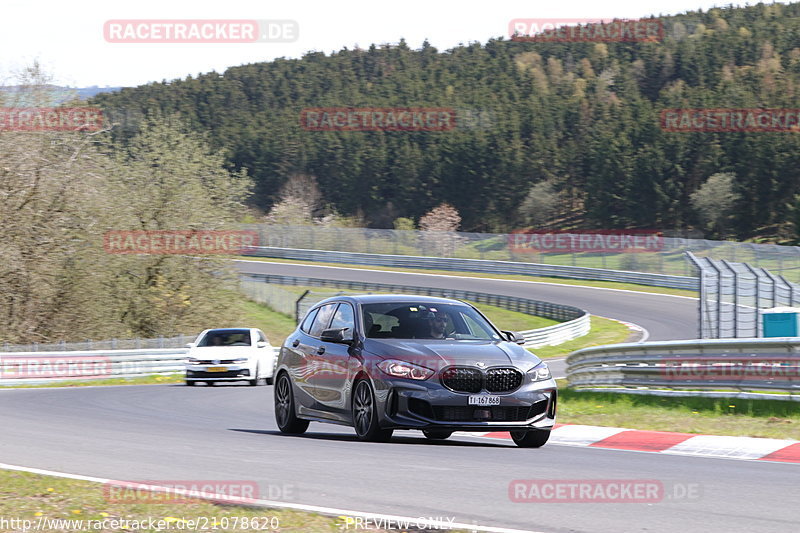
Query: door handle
{"type": "Point", "coordinates": [320, 350]}
{"type": "Point", "coordinates": [295, 343]}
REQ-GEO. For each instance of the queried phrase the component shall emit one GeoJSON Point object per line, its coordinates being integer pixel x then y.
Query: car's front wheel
{"type": "Point", "coordinates": [535, 438]}
{"type": "Point", "coordinates": [284, 408]}
{"type": "Point", "coordinates": [253, 382]}
{"type": "Point", "coordinates": [365, 414]}
{"type": "Point", "coordinates": [190, 382]}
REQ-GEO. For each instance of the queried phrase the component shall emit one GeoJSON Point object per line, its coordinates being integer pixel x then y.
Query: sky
{"type": "Point", "coordinates": [68, 40]}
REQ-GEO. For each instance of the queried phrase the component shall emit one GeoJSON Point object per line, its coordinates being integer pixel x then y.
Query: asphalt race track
{"type": "Point", "coordinates": [173, 432]}
{"type": "Point", "coordinates": [160, 432]}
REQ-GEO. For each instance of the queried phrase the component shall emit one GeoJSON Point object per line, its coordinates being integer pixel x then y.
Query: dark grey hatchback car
{"type": "Point", "coordinates": [384, 362]}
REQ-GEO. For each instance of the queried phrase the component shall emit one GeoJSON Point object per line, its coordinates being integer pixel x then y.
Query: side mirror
{"type": "Point", "coordinates": [190, 345]}
{"type": "Point", "coordinates": [262, 344]}
{"type": "Point", "coordinates": [336, 335]}
{"type": "Point", "coordinates": [513, 336]}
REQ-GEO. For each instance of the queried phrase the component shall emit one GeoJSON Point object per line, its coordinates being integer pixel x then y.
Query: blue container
{"type": "Point", "coordinates": [781, 322]}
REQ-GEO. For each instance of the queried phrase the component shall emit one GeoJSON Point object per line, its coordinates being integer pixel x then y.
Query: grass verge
{"type": "Point", "coordinates": [51, 501]}
{"type": "Point", "coordinates": [604, 331]}
{"type": "Point", "coordinates": [560, 281]}
{"type": "Point", "coordinates": [713, 416]}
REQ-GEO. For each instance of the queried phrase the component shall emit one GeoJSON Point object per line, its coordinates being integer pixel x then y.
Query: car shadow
{"type": "Point", "coordinates": [396, 439]}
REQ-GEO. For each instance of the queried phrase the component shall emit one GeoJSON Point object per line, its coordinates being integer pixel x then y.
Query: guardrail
{"type": "Point", "coordinates": [32, 368]}
{"type": "Point", "coordinates": [479, 265]}
{"type": "Point", "coordinates": [691, 368]}
{"type": "Point", "coordinates": [36, 368]}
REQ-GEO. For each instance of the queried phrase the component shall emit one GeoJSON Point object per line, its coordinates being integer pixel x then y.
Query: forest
{"type": "Point", "coordinates": [548, 133]}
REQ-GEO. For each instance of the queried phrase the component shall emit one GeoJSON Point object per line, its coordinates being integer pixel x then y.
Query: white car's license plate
{"type": "Point", "coordinates": [483, 399]}
{"type": "Point", "coordinates": [217, 369]}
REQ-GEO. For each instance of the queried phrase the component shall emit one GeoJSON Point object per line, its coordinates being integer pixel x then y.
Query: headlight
{"type": "Point", "coordinates": [402, 369]}
{"type": "Point", "coordinates": [540, 372]}
{"type": "Point", "coordinates": [240, 361]}
{"type": "Point", "coordinates": [193, 361]}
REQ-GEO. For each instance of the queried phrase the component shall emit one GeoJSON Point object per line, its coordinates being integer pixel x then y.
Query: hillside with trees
{"type": "Point", "coordinates": [552, 134]}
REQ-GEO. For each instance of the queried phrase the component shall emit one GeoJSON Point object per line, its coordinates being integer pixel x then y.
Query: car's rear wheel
{"type": "Point", "coordinates": [535, 438]}
{"type": "Point", "coordinates": [211, 383]}
{"type": "Point", "coordinates": [190, 382]}
{"type": "Point", "coordinates": [284, 408]}
{"type": "Point", "coordinates": [365, 414]}
{"type": "Point", "coordinates": [436, 434]}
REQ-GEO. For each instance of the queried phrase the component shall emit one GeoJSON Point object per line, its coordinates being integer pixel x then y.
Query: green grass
{"type": "Point", "coordinates": [604, 331]}
{"type": "Point", "coordinates": [513, 320]}
{"type": "Point", "coordinates": [143, 380]}
{"type": "Point", "coordinates": [35, 497]}
{"type": "Point", "coordinates": [777, 419]}
{"type": "Point", "coordinates": [560, 281]}
{"type": "Point", "coordinates": [276, 326]}
{"type": "Point", "coordinates": [282, 325]}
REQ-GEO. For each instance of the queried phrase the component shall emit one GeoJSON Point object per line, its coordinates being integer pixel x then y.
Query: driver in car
{"type": "Point", "coordinates": [437, 321]}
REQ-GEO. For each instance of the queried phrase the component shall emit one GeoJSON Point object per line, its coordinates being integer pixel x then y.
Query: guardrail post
{"type": "Point", "coordinates": [757, 281]}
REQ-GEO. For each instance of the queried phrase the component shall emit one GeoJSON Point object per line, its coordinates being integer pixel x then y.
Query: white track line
{"type": "Point", "coordinates": [459, 277]}
{"type": "Point", "coordinates": [418, 521]}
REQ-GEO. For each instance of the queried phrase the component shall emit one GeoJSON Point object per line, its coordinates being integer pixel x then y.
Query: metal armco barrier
{"type": "Point", "coordinates": [479, 265]}
{"type": "Point", "coordinates": [32, 368]}
{"type": "Point", "coordinates": [691, 368]}
{"type": "Point", "coordinates": [550, 310]}
{"type": "Point", "coordinates": [575, 322]}
{"type": "Point", "coordinates": [35, 368]}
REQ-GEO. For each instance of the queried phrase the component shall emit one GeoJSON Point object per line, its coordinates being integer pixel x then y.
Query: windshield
{"type": "Point", "coordinates": [410, 320]}
{"type": "Point", "coordinates": [225, 337]}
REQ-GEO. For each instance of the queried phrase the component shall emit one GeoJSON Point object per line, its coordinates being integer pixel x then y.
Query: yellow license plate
{"type": "Point", "coordinates": [217, 369]}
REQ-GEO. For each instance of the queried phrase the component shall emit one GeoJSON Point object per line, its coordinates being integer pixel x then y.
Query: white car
{"type": "Point", "coordinates": [230, 354]}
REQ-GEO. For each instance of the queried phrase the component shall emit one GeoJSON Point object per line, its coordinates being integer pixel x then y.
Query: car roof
{"type": "Point", "coordinates": [390, 298]}
{"type": "Point", "coordinates": [227, 329]}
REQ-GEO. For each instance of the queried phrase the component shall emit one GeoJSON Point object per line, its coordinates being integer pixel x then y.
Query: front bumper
{"type": "Point", "coordinates": [404, 404]}
{"type": "Point", "coordinates": [232, 373]}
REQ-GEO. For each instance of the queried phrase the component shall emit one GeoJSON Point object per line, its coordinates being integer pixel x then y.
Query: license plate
{"type": "Point", "coordinates": [483, 399]}
{"type": "Point", "coordinates": [217, 369]}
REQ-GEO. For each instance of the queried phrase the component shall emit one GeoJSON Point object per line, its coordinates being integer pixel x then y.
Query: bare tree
{"type": "Point", "coordinates": [439, 226]}
{"type": "Point", "coordinates": [540, 204]}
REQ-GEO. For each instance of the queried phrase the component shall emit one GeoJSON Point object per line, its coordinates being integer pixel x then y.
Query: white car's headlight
{"type": "Point", "coordinates": [540, 372]}
{"type": "Point", "coordinates": [402, 369]}
{"type": "Point", "coordinates": [193, 361]}
{"type": "Point", "coordinates": [240, 361]}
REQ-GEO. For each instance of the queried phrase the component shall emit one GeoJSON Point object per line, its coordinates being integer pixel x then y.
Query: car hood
{"type": "Point", "coordinates": [436, 353]}
{"type": "Point", "coordinates": [221, 352]}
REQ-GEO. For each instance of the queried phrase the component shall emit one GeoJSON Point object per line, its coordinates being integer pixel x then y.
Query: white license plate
{"type": "Point", "coordinates": [483, 399]}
